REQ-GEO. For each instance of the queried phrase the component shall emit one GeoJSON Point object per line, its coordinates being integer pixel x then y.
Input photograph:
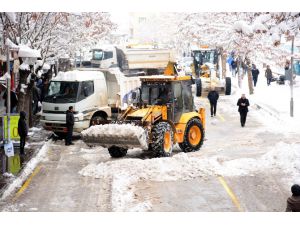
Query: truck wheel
{"type": "Point", "coordinates": [162, 140]}
{"type": "Point", "coordinates": [117, 152]}
{"type": "Point", "coordinates": [193, 136]}
{"type": "Point", "coordinates": [96, 120]}
{"type": "Point", "coordinates": [198, 87]}
{"type": "Point", "coordinates": [228, 86]}
{"type": "Point", "coordinates": [61, 135]}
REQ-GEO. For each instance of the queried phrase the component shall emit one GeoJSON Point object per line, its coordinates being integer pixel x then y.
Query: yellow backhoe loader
{"type": "Point", "coordinates": [163, 116]}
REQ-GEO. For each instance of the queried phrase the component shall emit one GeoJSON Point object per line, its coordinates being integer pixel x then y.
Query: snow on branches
{"type": "Point", "coordinates": [55, 33]}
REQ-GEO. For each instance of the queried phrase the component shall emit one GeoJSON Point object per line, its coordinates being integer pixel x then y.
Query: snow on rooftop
{"type": "Point", "coordinates": [27, 52]}
{"type": "Point", "coordinates": [78, 75]}
{"type": "Point", "coordinates": [24, 66]}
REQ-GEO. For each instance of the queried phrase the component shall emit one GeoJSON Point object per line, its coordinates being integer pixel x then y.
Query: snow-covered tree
{"type": "Point", "coordinates": [52, 33]}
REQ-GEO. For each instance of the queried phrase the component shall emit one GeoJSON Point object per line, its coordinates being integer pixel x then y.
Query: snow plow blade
{"type": "Point", "coordinates": [121, 135]}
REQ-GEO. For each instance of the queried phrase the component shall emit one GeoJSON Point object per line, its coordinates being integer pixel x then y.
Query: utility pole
{"type": "Point", "coordinates": [291, 80]}
{"type": "Point", "coordinates": [8, 79]}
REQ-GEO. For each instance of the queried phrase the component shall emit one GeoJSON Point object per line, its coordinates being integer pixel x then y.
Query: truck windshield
{"type": "Point", "coordinates": [97, 55]}
{"type": "Point", "coordinates": [155, 94]}
{"type": "Point", "coordinates": [62, 92]}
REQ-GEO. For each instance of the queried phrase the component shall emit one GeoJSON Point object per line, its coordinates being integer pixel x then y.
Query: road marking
{"type": "Point", "coordinates": [221, 117]}
{"type": "Point", "coordinates": [231, 194]}
{"type": "Point", "coordinates": [27, 182]}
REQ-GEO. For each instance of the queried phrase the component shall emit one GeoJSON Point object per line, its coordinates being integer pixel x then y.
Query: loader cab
{"type": "Point", "coordinates": [175, 94]}
{"type": "Point", "coordinates": [202, 57]}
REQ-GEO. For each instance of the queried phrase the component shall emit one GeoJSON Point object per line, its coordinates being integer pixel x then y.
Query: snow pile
{"type": "Point", "coordinates": [110, 132]}
{"type": "Point", "coordinates": [24, 66]}
{"type": "Point", "coordinates": [30, 166]}
{"type": "Point", "coordinates": [125, 173]}
{"type": "Point", "coordinates": [9, 175]}
{"type": "Point", "coordinates": [35, 129]}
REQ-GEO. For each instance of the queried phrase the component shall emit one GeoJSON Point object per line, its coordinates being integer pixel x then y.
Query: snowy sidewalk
{"type": "Point", "coordinates": [273, 100]}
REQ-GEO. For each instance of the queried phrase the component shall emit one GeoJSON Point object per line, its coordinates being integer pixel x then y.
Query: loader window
{"type": "Point", "coordinates": [178, 101]}
{"type": "Point", "coordinates": [155, 94]}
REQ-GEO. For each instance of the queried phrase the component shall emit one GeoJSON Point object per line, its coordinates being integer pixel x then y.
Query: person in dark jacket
{"type": "Point", "coordinates": [243, 104]}
{"type": "Point", "coordinates": [70, 124]}
{"type": "Point", "coordinates": [255, 73]}
{"type": "Point", "coordinates": [213, 97]}
{"type": "Point", "coordinates": [23, 131]}
{"type": "Point", "coordinates": [13, 101]}
{"type": "Point", "coordinates": [35, 98]}
{"type": "Point", "coordinates": [268, 75]}
{"type": "Point", "coordinates": [293, 202]}
{"type": "Point", "coordinates": [233, 67]}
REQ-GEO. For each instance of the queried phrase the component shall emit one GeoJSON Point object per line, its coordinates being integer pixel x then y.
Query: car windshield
{"type": "Point", "coordinates": [62, 92]}
{"type": "Point", "coordinates": [155, 94]}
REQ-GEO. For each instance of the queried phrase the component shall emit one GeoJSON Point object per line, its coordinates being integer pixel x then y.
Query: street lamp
{"type": "Point", "coordinates": [291, 79]}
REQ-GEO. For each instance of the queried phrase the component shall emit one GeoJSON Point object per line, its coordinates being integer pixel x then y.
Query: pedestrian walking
{"type": "Point", "coordinates": [243, 104]}
{"type": "Point", "coordinates": [70, 124]}
{"type": "Point", "coordinates": [255, 73]}
{"type": "Point", "coordinates": [229, 61]}
{"type": "Point", "coordinates": [268, 75]}
{"type": "Point", "coordinates": [293, 202]}
{"type": "Point", "coordinates": [22, 131]}
{"type": "Point", "coordinates": [213, 97]}
{"type": "Point", "coordinates": [35, 98]}
{"type": "Point", "coordinates": [233, 67]}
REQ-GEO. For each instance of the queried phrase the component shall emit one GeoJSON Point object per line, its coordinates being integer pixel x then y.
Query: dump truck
{"type": "Point", "coordinates": [94, 95]}
{"type": "Point", "coordinates": [132, 61]}
{"type": "Point", "coordinates": [163, 116]}
{"type": "Point", "coordinates": [206, 68]}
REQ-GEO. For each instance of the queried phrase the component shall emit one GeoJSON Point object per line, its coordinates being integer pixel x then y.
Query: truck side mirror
{"type": "Point", "coordinates": [133, 95]}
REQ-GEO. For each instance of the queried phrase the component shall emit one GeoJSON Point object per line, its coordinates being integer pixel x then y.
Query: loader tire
{"type": "Point", "coordinates": [198, 87]}
{"type": "Point", "coordinates": [228, 86]}
{"type": "Point", "coordinates": [193, 136]}
{"type": "Point", "coordinates": [96, 120]}
{"type": "Point", "coordinates": [117, 152]}
{"type": "Point", "coordinates": [162, 140]}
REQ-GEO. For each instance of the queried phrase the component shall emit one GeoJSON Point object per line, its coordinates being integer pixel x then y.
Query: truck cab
{"type": "Point", "coordinates": [86, 91]}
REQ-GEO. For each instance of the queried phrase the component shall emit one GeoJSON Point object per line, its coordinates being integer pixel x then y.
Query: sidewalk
{"type": "Point", "coordinates": [36, 139]}
{"type": "Point", "coordinates": [273, 100]}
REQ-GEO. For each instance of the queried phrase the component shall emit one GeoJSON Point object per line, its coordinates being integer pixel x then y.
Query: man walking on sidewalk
{"type": "Point", "coordinates": [255, 73]}
{"type": "Point", "coordinates": [243, 104]}
{"type": "Point", "coordinates": [213, 97]}
{"type": "Point", "coordinates": [268, 75]}
{"type": "Point", "coordinates": [70, 124]}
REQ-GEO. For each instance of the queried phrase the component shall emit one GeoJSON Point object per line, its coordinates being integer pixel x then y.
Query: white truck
{"type": "Point", "coordinates": [94, 95]}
